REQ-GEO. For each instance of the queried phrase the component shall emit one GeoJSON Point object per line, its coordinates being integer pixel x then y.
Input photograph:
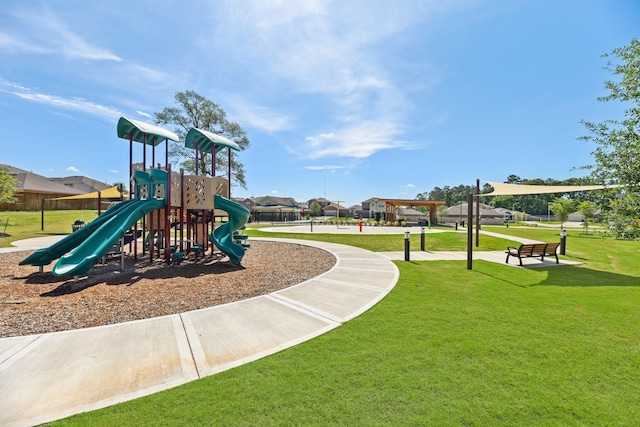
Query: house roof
{"type": "Point", "coordinates": [93, 183]}
{"type": "Point", "coordinates": [485, 210]}
{"type": "Point", "coordinates": [29, 182]}
{"type": "Point", "coordinates": [273, 201]}
{"type": "Point", "coordinates": [334, 206]}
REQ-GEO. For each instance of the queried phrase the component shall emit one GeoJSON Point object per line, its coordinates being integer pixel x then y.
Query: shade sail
{"type": "Point", "coordinates": [141, 132]}
{"type": "Point", "coordinates": [204, 140]}
{"type": "Point", "coordinates": [502, 189]}
{"type": "Point", "coordinates": [109, 193]}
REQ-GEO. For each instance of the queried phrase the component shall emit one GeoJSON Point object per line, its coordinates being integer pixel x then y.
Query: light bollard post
{"type": "Point", "coordinates": [311, 222]}
{"type": "Point", "coordinates": [422, 238]}
{"type": "Point", "coordinates": [563, 242]}
{"type": "Point", "coordinates": [407, 241]}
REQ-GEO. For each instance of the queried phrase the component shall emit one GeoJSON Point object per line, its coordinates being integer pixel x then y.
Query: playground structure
{"type": "Point", "coordinates": [160, 201]}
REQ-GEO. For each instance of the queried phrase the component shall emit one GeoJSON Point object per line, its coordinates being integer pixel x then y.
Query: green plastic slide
{"type": "Point", "coordinates": [44, 256]}
{"type": "Point", "coordinates": [223, 236]}
{"type": "Point", "coordinates": [102, 240]}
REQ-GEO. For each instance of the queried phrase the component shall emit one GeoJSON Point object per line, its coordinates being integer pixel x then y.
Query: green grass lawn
{"type": "Point", "coordinates": [24, 225]}
{"type": "Point", "coordinates": [495, 345]}
{"type": "Point", "coordinates": [449, 241]}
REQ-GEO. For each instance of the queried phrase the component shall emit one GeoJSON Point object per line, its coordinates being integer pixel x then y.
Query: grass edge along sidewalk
{"type": "Point", "coordinates": [493, 346]}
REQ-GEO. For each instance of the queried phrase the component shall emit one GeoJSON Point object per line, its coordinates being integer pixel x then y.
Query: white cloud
{"type": "Point", "coordinates": [72, 169]}
{"type": "Point", "coordinates": [274, 191]}
{"type": "Point", "coordinates": [259, 117]}
{"type": "Point", "coordinates": [358, 141]}
{"type": "Point", "coordinates": [74, 104]}
{"type": "Point", "coordinates": [41, 32]}
{"type": "Point", "coordinates": [317, 49]}
{"type": "Point", "coordinates": [408, 186]}
{"type": "Point", "coordinates": [142, 113]}
{"type": "Point", "coordinates": [331, 168]}
{"type": "Point", "coordinates": [114, 171]}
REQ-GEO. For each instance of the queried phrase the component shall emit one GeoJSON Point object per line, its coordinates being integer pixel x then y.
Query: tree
{"type": "Point", "coordinates": [561, 208]}
{"type": "Point", "coordinates": [617, 153]}
{"type": "Point", "coordinates": [315, 208]}
{"type": "Point", "coordinates": [588, 209]}
{"type": "Point", "coordinates": [196, 111]}
{"type": "Point", "coordinates": [8, 187]}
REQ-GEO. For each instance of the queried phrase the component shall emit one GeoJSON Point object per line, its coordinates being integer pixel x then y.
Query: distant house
{"type": "Point", "coordinates": [412, 215]}
{"type": "Point", "coordinates": [334, 209]}
{"type": "Point", "coordinates": [34, 188]}
{"type": "Point", "coordinates": [356, 211]}
{"type": "Point", "coordinates": [579, 217]}
{"type": "Point", "coordinates": [373, 208]}
{"type": "Point", "coordinates": [488, 214]}
{"type": "Point", "coordinates": [82, 183]}
{"type": "Point", "coordinates": [272, 209]}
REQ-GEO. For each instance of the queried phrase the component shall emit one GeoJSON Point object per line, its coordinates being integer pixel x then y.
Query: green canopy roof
{"type": "Point", "coordinates": [204, 140]}
{"type": "Point", "coordinates": [129, 128]}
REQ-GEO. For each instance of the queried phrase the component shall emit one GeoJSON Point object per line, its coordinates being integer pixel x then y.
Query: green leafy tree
{"type": "Point", "coordinates": [8, 187]}
{"type": "Point", "coordinates": [561, 208]}
{"type": "Point", "coordinates": [450, 195]}
{"type": "Point", "coordinates": [195, 111]}
{"type": "Point", "coordinates": [617, 152]}
{"type": "Point", "coordinates": [315, 208]}
{"type": "Point", "coordinates": [588, 209]}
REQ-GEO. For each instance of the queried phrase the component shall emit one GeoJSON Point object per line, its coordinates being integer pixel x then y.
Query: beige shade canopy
{"type": "Point", "coordinates": [109, 193]}
{"type": "Point", "coordinates": [502, 189]}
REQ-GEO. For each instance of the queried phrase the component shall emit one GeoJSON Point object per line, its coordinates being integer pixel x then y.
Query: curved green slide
{"type": "Point", "coordinates": [222, 236]}
{"type": "Point", "coordinates": [100, 242]}
{"type": "Point", "coordinates": [44, 256]}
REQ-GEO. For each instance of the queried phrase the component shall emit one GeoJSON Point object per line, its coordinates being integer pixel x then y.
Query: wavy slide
{"type": "Point", "coordinates": [44, 256]}
{"type": "Point", "coordinates": [222, 236]}
{"type": "Point", "coordinates": [100, 242]}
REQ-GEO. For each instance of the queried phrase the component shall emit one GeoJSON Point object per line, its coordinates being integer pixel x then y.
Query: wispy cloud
{"type": "Point", "coordinates": [41, 32]}
{"type": "Point", "coordinates": [358, 141]}
{"type": "Point", "coordinates": [259, 117]}
{"type": "Point", "coordinates": [317, 48]}
{"type": "Point", "coordinates": [74, 104]}
{"type": "Point", "coordinates": [331, 168]}
{"type": "Point", "coordinates": [72, 169]}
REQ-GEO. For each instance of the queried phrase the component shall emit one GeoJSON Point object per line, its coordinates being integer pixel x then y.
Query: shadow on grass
{"type": "Point", "coordinates": [563, 276]}
{"type": "Point", "coordinates": [584, 277]}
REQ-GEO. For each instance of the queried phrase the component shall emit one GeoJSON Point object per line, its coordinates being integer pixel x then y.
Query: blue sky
{"type": "Point", "coordinates": [340, 99]}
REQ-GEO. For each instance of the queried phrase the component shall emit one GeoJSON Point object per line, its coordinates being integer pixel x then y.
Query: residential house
{"type": "Point", "coordinates": [273, 209]}
{"type": "Point", "coordinates": [335, 209]}
{"type": "Point", "coordinates": [373, 208]}
{"type": "Point", "coordinates": [488, 214]}
{"type": "Point", "coordinates": [82, 183]}
{"type": "Point", "coordinates": [355, 211]}
{"type": "Point", "coordinates": [35, 192]}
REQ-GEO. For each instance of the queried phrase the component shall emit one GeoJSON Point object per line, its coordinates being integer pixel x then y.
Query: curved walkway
{"type": "Point", "coordinates": [51, 376]}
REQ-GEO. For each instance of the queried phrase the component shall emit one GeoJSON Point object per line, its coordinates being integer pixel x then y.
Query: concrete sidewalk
{"type": "Point", "coordinates": [51, 376]}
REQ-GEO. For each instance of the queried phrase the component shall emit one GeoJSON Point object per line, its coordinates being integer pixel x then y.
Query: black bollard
{"type": "Point", "coordinates": [407, 245]}
{"type": "Point", "coordinates": [422, 239]}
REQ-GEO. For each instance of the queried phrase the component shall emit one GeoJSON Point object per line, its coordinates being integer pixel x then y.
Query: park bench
{"type": "Point", "coordinates": [533, 250]}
